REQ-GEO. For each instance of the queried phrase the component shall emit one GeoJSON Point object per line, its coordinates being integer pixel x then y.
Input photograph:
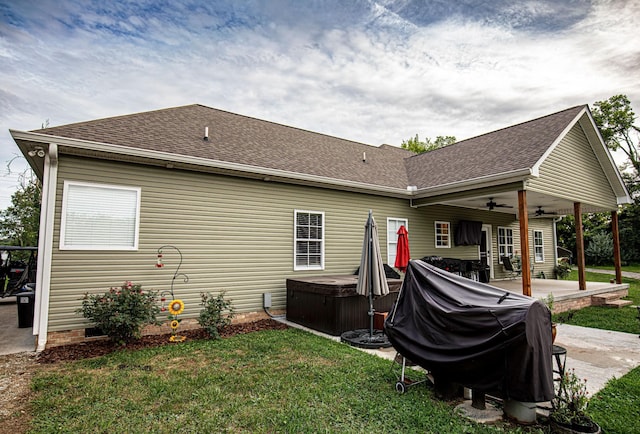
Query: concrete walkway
{"type": "Point", "coordinates": [597, 355]}
{"type": "Point", "coordinates": [629, 274]}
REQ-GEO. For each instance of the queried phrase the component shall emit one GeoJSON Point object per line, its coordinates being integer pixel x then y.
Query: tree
{"type": "Point", "coordinates": [415, 145]}
{"type": "Point", "coordinates": [19, 222]}
{"type": "Point", "coordinates": [614, 118]}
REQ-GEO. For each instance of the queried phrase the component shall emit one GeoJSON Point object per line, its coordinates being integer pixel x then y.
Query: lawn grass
{"type": "Point", "coordinates": [624, 319]}
{"type": "Point", "coordinates": [616, 406]}
{"type": "Point", "coordinates": [279, 381]}
{"type": "Point", "coordinates": [270, 381]}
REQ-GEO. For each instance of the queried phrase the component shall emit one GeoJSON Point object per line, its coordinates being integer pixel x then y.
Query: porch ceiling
{"type": "Point", "coordinates": [552, 206]}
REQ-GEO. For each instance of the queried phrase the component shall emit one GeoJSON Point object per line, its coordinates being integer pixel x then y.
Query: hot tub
{"type": "Point", "coordinates": [330, 304]}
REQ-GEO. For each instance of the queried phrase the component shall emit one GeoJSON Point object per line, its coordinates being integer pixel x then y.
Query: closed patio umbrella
{"type": "Point", "coordinates": [372, 280]}
{"type": "Point", "coordinates": [402, 252]}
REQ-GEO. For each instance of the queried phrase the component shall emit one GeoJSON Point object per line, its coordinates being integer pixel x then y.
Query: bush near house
{"type": "Point", "coordinates": [216, 314]}
{"type": "Point", "coordinates": [121, 313]}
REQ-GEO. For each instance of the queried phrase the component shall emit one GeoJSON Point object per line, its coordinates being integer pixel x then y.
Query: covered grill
{"type": "Point", "coordinates": [473, 334]}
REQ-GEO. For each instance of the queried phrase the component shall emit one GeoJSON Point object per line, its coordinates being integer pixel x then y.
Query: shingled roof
{"type": "Point", "coordinates": [507, 150]}
{"type": "Point", "coordinates": [247, 141]}
{"type": "Point", "coordinates": [257, 143]}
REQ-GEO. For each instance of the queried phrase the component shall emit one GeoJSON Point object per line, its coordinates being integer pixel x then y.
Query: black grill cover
{"type": "Point", "coordinates": [473, 334]}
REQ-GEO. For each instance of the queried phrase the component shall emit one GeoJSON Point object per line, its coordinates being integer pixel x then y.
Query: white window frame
{"type": "Point", "coordinates": [98, 207]}
{"type": "Point", "coordinates": [439, 235]}
{"type": "Point", "coordinates": [538, 247]}
{"type": "Point", "coordinates": [296, 266]}
{"type": "Point", "coordinates": [392, 237]}
{"type": "Point", "coordinates": [504, 247]}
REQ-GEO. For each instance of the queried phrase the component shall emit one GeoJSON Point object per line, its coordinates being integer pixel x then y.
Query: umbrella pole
{"type": "Point", "coordinates": [370, 248]}
{"type": "Point", "coordinates": [370, 315]}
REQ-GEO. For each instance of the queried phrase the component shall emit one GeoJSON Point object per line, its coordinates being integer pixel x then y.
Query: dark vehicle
{"type": "Point", "coordinates": [17, 269]}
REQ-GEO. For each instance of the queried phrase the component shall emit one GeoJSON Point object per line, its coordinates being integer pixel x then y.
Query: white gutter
{"type": "Point", "coordinates": [480, 182]}
{"type": "Point", "coordinates": [205, 162]}
{"type": "Point", "coordinates": [476, 183]}
{"type": "Point", "coordinates": [45, 247]}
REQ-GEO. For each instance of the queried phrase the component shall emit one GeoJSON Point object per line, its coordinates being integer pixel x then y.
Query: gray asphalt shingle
{"type": "Point", "coordinates": [253, 142]}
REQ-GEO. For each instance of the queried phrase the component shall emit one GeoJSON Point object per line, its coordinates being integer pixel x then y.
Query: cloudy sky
{"type": "Point", "coordinates": [370, 71]}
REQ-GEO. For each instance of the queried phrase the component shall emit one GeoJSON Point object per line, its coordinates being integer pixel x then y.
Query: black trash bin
{"type": "Point", "coordinates": [25, 302]}
{"type": "Point", "coordinates": [484, 274]}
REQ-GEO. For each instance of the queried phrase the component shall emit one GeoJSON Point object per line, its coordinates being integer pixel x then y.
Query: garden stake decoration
{"type": "Point", "coordinates": [176, 306]}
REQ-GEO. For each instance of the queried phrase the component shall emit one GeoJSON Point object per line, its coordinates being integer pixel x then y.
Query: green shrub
{"type": "Point", "coordinates": [216, 314]}
{"type": "Point", "coordinates": [600, 249]}
{"type": "Point", "coordinates": [121, 313]}
{"type": "Point", "coordinates": [563, 269]}
{"type": "Point", "coordinates": [570, 401]}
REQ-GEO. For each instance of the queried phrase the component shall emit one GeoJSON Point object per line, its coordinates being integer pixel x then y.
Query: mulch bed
{"type": "Point", "coordinates": [98, 348]}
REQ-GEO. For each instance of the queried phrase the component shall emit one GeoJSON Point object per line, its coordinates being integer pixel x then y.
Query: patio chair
{"type": "Point", "coordinates": [508, 265]}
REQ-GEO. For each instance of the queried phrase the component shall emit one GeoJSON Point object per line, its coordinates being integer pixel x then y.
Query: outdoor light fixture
{"type": "Point", "coordinates": [36, 151]}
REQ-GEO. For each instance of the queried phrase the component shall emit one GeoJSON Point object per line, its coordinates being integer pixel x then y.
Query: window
{"type": "Point", "coordinates": [99, 217]}
{"type": "Point", "coordinates": [393, 224]}
{"type": "Point", "coordinates": [443, 234]}
{"type": "Point", "coordinates": [505, 243]}
{"type": "Point", "coordinates": [538, 246]}
{"type": "Point", "coordinates": [309, 240]}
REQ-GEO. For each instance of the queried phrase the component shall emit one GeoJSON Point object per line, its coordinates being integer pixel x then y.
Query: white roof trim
{"type": "Point", "coordinates": [536, 167]}
{"type": "Point", "coordinates": [206, 162]}
{"type": "Point", "coordinates": [475, 183]}
{"type": "Point", "coordinates": [620, 187]}
{"type": "Point", "coordinates": [603, 147]}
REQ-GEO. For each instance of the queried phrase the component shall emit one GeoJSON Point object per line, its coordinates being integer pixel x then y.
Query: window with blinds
{"type": "Point", "coordinates": [99, 217]}
{"type": "Point", "coordinates": [309, 240]}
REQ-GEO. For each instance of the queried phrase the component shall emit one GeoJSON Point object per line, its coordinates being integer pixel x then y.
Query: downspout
{"type": "Point", "coordinates": [555, 241]}
{"type": "Point", "coordinates": [45, 246]}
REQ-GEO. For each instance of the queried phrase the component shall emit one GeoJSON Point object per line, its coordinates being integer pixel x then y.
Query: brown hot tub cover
{"type": "Point", "coordinates": [473, 334]}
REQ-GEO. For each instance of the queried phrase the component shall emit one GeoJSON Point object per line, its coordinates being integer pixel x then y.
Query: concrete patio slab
{"type": "Point", "coordinates": [13, 339]}
{"type": "Point", "coordinates": [566, 293]}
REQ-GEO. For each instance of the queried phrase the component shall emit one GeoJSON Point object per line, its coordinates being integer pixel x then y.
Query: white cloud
{"type": "Point", "coordinates": [377, 72]}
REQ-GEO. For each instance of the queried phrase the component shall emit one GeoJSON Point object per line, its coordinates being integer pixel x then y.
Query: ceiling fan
{"type": "Point", "coordinates": [540, 212]}
{"type": "Point", "coordinates": [491, 205]}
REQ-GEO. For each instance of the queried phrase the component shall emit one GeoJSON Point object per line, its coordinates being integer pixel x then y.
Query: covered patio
{"type": "Point", "coordinates": [567, 294]}
{"type": "Point", "coordinates": [562, 168]}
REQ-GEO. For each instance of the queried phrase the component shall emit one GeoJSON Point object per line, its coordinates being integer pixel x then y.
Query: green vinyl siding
{"type": "Point", "coordinates": [572, 171]}
{"type": "Point", "coordinates": [546, 226]}
{"type": "Point", "coordinates": [235, 235]}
